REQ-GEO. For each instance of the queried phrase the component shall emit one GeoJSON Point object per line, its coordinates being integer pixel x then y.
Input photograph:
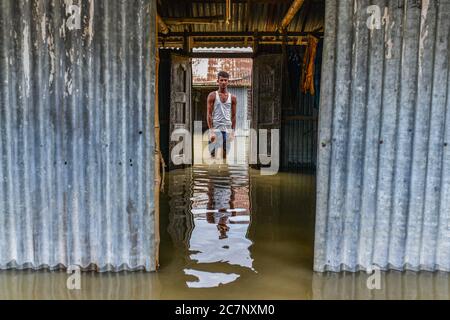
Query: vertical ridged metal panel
{"type": "Point", "coordinates": [242, 107]}
{"type": "Point", "coordinates": [299, 134]}
{"type": "Point", "coordinates": [77, 135]}
{"type": "Point", "coordinates": [384, 162]}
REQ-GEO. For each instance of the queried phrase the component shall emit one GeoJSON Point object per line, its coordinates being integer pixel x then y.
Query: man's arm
{"type": "Point", "coordinates": [233, 115]}
{"type": "Point", "coordinates": [210, 109]}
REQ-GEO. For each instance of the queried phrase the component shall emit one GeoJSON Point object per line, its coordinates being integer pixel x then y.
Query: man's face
{"type": "Point", "coordinates": [223, 82]}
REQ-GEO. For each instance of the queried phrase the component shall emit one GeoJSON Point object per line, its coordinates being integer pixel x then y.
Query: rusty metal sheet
{"type": "Point", "coordinates": [77, 134]}
{"type": "Point", "coordinates": [384, 161]}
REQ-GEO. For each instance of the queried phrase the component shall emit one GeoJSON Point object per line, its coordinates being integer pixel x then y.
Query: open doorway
{"type": "Point", "coordinates": [271, 89]}
{"type": "Point", "coordinates": [205, 71]}
{"type": "Point", "coordinates": [227, 223]}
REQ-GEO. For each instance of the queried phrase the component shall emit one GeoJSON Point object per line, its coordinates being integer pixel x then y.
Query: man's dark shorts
{"type": "Point", "coordinates": [221, 142]}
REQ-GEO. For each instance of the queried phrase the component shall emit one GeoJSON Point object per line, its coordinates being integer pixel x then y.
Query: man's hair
{"type": "Point", "coordinates": [223, 74]}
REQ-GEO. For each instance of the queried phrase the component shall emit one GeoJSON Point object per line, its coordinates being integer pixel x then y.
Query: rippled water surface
{"type": "Point", "coordinates": [230, 233]}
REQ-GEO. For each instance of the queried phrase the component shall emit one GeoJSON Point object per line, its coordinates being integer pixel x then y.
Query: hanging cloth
{"type": "Point", "coordinates": [309, 66]}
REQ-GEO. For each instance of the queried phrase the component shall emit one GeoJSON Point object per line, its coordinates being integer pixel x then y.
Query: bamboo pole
{"type": "Point", "coordinates": [197, 20]}
{"type": "Point", "coordinates": [157, 153]}
{"type": "Point", "coordinates": [295, 7]}
{"type": "Point", "coordinates": [162, 25]}
{"type": "Point", "coordinates": [228, 11]}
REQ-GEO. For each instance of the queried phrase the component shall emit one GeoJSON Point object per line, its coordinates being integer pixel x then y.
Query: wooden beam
{"type": "Point", "coordinates": [224, 55]}
{"type": "Point", "coordinates": [255, 44]}
{"type": "Point", "coordinates": [228, 11]}
{"type": "Point", "coordinates": [199, 20]}
{"type": "Point", "coordinates": [186, 43]}
{"type": "Point", "coordinates": [159, 161]}
{"type": "Point", "coordinates": [243, 34]}
{"type": "Point", "coordinates": [242, 1]}
{"type": "Point", "coordinates": [231, 43]}
{"type": "Point", "coordinates": [162, 25]}
{"type": "Point", "coordinates": [295, 7]}
{"type": "Point", "coordinates": [243, 40]}
{"type": "Point", "coordinates": [291, 42]}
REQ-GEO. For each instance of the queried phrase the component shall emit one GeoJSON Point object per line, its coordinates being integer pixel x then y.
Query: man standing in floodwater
{"type": "Point", "coordinates": [221, 116]}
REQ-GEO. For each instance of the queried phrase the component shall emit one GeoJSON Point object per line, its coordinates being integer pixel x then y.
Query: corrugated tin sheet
{"type": "Point", "coordinates": [299, 135]}
{"type": "Point", "coordinates": [262, 16]}
{"type": "Point", "coordinates": [384, 160]}
{"type": "Point", "coordinates": [299, 114]}
{"type": "Point", "coordinates": [77, 135]}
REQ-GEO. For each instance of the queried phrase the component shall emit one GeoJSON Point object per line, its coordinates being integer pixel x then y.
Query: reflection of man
{"type": "Point", "coordinates": [221, 198]}
{"type": "Point", "coordinates": [221, 116]}
{"type": "Point", "coordinates": [221, 219]}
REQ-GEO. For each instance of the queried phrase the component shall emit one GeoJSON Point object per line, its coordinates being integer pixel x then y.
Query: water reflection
{"type": "Point", "coordinates": [44, 285]}
{"type": "Point", "coordinates": [212, 220]}
{"type": "Point", "coordinates": [393, 286]}
{"type": "Point", "coordinates": [267, 253]}
{"type": "Point", "coordinates": [209, 279]}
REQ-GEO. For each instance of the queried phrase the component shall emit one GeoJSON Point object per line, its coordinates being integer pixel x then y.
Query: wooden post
{"type": "Point", "coordinates": [162, 25]}
{"type": "Point", "coordinates": [285, 98]}
{"type": "Point", "coordinates": [255, 44]}
{"type": "Point", "coordinates": [157, 155]}
{"type": "Point", "coordinates": [186, 43]}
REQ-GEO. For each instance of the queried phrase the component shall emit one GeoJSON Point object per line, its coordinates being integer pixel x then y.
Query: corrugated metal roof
{"type": "Point", "coordinates": [260, 16]}
{"type": "Point", "coordinates": [384, 161]}
{"type": "Point", "coordinates": [77, 135]}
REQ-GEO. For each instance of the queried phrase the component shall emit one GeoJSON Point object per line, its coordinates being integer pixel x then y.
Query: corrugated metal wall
{"type": "Point", "coordinates": [384, 159]}
{"type": "Point", "coordinates": [165, 74]}
{"type": "Point", "coordinates": [300, 113]}
{"type": "Point", "coordinates": [77, 135]}
{"type": "Point", "coordinates": [242, 123]}
{"type": "Point", "coordinates": [299, 134]}
{"type": "Point", "coordinates": [242, 108]}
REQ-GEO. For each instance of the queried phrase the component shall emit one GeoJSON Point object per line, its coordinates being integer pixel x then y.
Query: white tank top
{"type": "Point", "coordinates": [222, 113]}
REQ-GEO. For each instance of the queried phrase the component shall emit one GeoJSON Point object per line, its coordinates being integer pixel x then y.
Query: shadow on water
{"type": "Point", "coordinates": [230, 233]}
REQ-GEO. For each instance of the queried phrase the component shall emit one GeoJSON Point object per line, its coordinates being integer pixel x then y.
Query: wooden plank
{"type": "Point", "coordinates": [242, 34]}
{"type": "Point", "coordinates": [224, 55]}
{"type": "Point", "coordinates": [180, 101]}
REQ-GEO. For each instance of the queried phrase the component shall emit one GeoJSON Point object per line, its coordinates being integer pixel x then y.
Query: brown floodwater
{"type": "Point", "coordinates": [230, 233]}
